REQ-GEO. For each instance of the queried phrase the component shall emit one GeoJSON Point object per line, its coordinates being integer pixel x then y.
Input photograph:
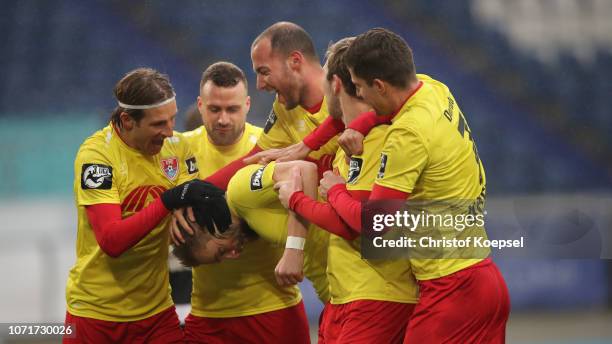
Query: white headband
{"type": "Point", "coordinates": [144, 107]}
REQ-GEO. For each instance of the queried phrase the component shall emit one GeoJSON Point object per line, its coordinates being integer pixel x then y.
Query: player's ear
{"type": "Point", "coordinates": [127, 122]}
{"type": "Point", "coordinates": [295, 60]}
{"type": "Point", "coordinates": [336, 84]}
{"type": "Point", "coordinates": [380, 86]}
{"type": "Point", "coordinates": [200, 103]}
{"type": "Point", "coordinates": [248, 103]}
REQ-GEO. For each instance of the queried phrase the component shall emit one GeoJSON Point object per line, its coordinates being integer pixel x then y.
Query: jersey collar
{"type": "Point", "coordinates": [416, 89]}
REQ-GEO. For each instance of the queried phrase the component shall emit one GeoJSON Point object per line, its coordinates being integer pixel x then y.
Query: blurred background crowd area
{"type": "Point", "coordinates": [531, 76]}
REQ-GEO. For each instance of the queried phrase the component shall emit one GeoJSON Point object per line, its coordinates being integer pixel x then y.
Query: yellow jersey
{"type": "Point", "coordinates": [286, 127]}
{"type": "Point", "coordinates": [135, 285]}
{"type": "Point", "coordinates": [429, 152]}
{"type": "Point", "coordinates": [351, 277]}
{"type": "Point", "coordinates": [243, 286]}
{"type": "Point", "coordinates": [251, 196]}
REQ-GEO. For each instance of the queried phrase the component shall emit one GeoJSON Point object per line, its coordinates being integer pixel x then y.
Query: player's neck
{"type": "Point", "coordinates": [399, 96]}
{"type": "Point", "coordinates": [352, 108]}
{"type": "Point", "coordinates": [126, 138]}
{"type": "Point", "coordinates": [312, 93]}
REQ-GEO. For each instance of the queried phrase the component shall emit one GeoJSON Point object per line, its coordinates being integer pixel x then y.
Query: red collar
{"type": "Point", "coordinates": [315, 108]}
{"type": "Point", "coordinates": [394, 113]}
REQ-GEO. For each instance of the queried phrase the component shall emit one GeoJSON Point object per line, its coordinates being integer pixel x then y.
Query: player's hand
{"type": "Point", "coordinates": [351, 141]}
{"type": "Point", "coordinates": [179, 218]}
{"type": "Point", "coordinates": [189, 193]}
{"type": "Point", "coordinates": [290, 268]}
{"type": "Point", "coordinates": [329, 179]}
{"type": "Point", "coordinates": [288, 187]}
{"type": "Point", "coordinates": [297, 151]}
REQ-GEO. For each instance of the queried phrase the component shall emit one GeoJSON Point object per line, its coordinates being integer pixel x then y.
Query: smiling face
{"type": "Point", "coordinates": [277, 73]}
{"type": "Point", "coordinates": [224, 111]}
{"type": "Point", "coordinates": [147, 135]}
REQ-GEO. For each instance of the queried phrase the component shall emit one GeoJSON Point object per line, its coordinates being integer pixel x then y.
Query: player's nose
{"type": "Point", "coordinates": [224, 119]}
{"type": "Point", "coordinates": [261, 83]}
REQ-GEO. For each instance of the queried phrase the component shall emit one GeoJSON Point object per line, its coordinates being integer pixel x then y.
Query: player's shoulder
{"type": "Point", "coordinates": [176, 144]}
{"type": "Point", "coordinates": [194, 135]}
{"type": "Point", "coordinates": [98, 145]}
{"type": "Point", "coordinates": [253, 132]}
{"type": "Point", "coordinates": [377, 133]}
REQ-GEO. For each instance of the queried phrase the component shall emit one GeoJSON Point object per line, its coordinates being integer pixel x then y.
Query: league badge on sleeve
{"type": "Point", "coordinates": [354, 170]}
{"type": "Point", "coordinates": [96, 176]}
{"type": "Point", "coordinates": [270, 121]}
{"type": "Point", "coordinates": [256, 179]}
{"type": "Point", "coordinates": [383, 166]}
{"type": "Point", "coordinates": [170, 167]}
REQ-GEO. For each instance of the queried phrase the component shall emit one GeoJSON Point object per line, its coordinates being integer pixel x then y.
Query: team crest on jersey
{"type": "Point", "coordinates": [270, 121]}
{"type": "Point", "coordinates": [170, 167]}
{"type": "Point", "coordinates": [256, 179]}
{"type": "Point", "coordinates": [383, 166]}
{"type": "Point", "coordinates": [96, 176]}
{"type": "Point", "coordinates": [354, 170]}
{"type": "Point", "coordinates": [192, 166]}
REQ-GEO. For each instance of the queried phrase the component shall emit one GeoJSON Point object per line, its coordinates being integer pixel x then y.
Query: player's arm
{"type": "Point", "coordinates": [289, 270]}
{"type": "Point", "coordinates": [116, 235]}
{"type": "Point", "coordinates": [350, 208]}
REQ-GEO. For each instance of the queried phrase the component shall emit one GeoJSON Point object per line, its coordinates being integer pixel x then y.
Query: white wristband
{"type": "Point", "coordinates": [295, 242]}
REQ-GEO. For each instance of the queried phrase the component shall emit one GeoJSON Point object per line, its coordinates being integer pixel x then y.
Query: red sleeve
{"type": "Point", "coordinates": [368, 120]}
{"type": "Point", "coordinates": [116, 235]}
{"type": "Point", "coordinates": [349, 208]}
{"type": "Point", "coordinates": [321, 214]}
{"type": "Point", "coordinates": [382, 192]}
{"type": "Point", "coordinates": [323, 133]}
{"type": "Point", "coordinates": [345, 205]}
{"type": "Point", "coordinates": [222, 177]}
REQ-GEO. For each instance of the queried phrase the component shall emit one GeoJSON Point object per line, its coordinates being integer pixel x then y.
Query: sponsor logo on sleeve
{"type": "Point", "coordinates": [256, 179]}
{"type": "Point", "coordinates": [270, 121]}
{"type": "Point", "coordinates": [170, 167]}
{"type": "Point", "coordinates": [96, 176]}
{"type": "Point", "coordinates": [354, 170]}
{"type": "Point", "coordinates": [192, 166]}
{"type": "Point", "coordinates": [383, 165]}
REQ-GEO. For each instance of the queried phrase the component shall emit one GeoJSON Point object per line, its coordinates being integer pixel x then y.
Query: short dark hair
{"type": "Point", "coordinates": [142, 86]}
{"type": "Point", "coordinates": [223, 74]}
{"type": "Point", "coordinates": [337, 66]}
{"type": "Point", "coordinates": [381, 54]}
{"type": "Point", "coordinates": [286, 37]}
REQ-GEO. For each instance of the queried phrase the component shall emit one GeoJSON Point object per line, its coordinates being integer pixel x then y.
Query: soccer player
{"type": "Point", "coordinates": [429, 154]}
{"type": "Point", "coordinates": [244, 303]}
{"type": "Point", "coordinates": [371, 300]}
{"type": "Point", "coordinates": [127, 177]}
{"type": "Point", "coordinates": [254, 204]}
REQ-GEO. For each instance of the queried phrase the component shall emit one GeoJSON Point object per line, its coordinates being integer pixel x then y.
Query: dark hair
{"type": "Point", "coordinates": [142, 86]}
{"type": "Point", "coordinates": [223, 74]}
{"type": "Point", "coordinates": [286, 37]}
{"type": "Point", "coordinates": [381, 54]}
{"type": "Point", "coordinates": [337, 66]}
